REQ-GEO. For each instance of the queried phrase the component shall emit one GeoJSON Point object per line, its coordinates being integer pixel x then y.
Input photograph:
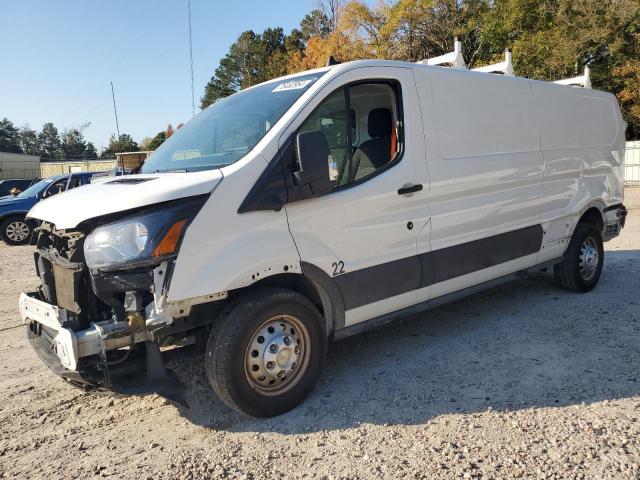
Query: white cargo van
{"type": "Point", "coordinates": [314, 206]}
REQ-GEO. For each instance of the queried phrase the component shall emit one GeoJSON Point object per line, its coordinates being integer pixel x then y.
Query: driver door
{"type": "Point", "coordinates": [365, 233]}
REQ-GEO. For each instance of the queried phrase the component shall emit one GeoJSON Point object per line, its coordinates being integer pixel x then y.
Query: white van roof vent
{"type": "Point", "coordinates": [455, 58]}
{"type": "Point", "coordinates": [505, 67]}
{"type": "Point", "coordinates": [583, 80]}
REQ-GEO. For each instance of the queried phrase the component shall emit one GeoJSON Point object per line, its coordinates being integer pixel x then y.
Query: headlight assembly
{"type": "Point", "coordinates": [141, 239]}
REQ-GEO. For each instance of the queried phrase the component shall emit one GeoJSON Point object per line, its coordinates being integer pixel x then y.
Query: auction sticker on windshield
{"type": "Point", "coordinates": [293, 85]}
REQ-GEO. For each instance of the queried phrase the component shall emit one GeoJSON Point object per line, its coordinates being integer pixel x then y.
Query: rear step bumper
{"type": "Point", "coordinates": [615, 217]}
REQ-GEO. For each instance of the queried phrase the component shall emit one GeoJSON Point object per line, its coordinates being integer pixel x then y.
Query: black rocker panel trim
{"type": "Point", "coordinates": [378, 282]}
{"type": "Point", "coordinates": [487, 252]}
{"type": "Point", "coordinates": [386, 280]}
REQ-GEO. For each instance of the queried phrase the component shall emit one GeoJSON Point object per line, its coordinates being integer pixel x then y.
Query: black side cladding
{"type": "Point", "coordinates": [386, 280]}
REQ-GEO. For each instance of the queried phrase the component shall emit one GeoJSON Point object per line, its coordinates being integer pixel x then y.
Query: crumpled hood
{"type": "Point", "coordinates": [68, 209]}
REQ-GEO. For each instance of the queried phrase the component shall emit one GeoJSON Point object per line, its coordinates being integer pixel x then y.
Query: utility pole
{"type": "Point", "coordinates": [193, 102]}
{"type": "Point", "coordinates": [115, 111]}
{"type": "Point", "coordinates": [113, 95]}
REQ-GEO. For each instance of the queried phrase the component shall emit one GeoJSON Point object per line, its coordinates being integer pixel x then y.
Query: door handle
{"type": "Point", "coordinates": [410, 189]}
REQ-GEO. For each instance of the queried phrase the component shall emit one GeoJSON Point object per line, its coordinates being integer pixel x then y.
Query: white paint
{"type": "Point", "coordinates": [495, 153]}
{"type": "Point", "coordinates": [68, 209]}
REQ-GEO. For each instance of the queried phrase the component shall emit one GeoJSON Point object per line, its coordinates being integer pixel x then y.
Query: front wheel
{"type": "Point", "coordinates": [582, 265]}
{"type": "Point", "coordinates": [264, 355]}
{"type": "Point", "coordinates": [15, 231]}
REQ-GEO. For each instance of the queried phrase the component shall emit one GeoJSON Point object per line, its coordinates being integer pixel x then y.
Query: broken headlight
{"type": "Point", "coordinates": [139, 240]}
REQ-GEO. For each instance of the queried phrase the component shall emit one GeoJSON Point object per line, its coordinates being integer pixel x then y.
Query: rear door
{"type": "Point", "coordinates": [364, 233]}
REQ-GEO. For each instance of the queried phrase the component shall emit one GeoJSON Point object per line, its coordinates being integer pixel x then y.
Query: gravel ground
{"type": "Point", "coordinates": [522, 381]}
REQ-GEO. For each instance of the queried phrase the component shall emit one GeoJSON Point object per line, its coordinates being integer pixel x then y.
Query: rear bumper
{"type": "Point", "coordinates": [614, 220]}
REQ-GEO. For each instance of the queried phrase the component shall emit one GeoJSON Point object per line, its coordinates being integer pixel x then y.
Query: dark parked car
{"type": "Point", "coordinates": [15, 229]}
{"type": "Point", "coordinates": [20, 183]}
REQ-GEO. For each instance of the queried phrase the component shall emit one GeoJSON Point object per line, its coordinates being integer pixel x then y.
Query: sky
{"type": "Point", "coordinates": [58, 58]}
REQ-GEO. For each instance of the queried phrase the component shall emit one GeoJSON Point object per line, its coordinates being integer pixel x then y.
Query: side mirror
{"type": "Point", "coordinates": [317, 168]}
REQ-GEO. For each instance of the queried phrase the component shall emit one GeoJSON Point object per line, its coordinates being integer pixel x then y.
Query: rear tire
{"type": "Point", "coordinates": [265, 353]}
{"type": "Point", "coordinates": [15, 231]}
{"type": "Point", "coordinates": [582, 265]}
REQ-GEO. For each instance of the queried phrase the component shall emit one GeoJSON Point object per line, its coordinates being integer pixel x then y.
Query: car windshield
{"type": "Point", "coordinates": [224, 132]}
{"type": "Point", "coordinates": [35, 188]}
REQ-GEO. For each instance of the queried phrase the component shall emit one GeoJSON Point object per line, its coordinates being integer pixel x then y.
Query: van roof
{"type": "Point", "coordinates": [340, 67]}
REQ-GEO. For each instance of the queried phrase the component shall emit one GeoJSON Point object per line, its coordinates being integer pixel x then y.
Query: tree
{"type": "Point", "coordinates": [157, 141]}
{"type": "Point", "coordinates": [124, 143]}
{"type": "Point", "coordinates": [29, 141]}
{"type": "Point", "coordinates": [549, 39]}
{"type": "Point", "coordinates": [73, 144]}
{"type": "Point", "coordinates": [315, 24]}
{"type": "Point", "coordinates": [332, 9]}
{"type": "Point", "coordinates": [49, 139]}
{"type": "Point", "coordinates": [9, 137]}
{"type": "Point", "coordinates": [240, 68]}
{"type": "Point", "coordinates": [252, 59]}
{"type": "Point", "coordinates": [91, 152]}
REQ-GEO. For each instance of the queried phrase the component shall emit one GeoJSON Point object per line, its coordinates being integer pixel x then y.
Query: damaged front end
{"type": "Point", "coordinates": [101, 310]}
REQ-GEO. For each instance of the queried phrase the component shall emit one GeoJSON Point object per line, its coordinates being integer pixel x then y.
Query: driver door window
{"type": "Point", "coordinates": [361, 128]}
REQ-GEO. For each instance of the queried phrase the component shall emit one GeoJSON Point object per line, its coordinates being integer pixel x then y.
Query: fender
{"type": "Point", "coordinates": [330, 295]}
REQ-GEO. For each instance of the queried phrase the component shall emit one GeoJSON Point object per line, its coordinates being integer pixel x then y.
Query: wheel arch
{"type": "Point", "coordinates": [18, 214]}
{"type": "Point", "coordinates": [314, 284]}
{"type": "Point", "coordinates": [593, 215]}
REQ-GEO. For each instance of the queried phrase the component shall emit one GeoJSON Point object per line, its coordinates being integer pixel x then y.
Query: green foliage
{"type": "Point", "coordinates": [90, 152]}
{"type": "Point", "coordinates": [124, 143]}
{"type": "Point", "coordinates": [29, 141]}
{"type": "Point", "coordinates": [252, 59]}
{"type": "Point", "coordinates": [315, 24]}
{"type": "Point", "coordinates": [73, 145]}
{"type": "Point", "coordinates": [49, 140]}
{"type": "Point", "coordinates": [157, 141]}
{"type": "Point", "coordinates": [9, 137]}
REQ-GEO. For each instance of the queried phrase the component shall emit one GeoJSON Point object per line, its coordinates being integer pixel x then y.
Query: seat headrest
{"type": "Point", "coordinates": [379, 123]}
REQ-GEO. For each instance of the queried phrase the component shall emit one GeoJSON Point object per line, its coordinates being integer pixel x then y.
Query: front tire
{"type": "Point", "coordinates": [15, 231]}
{"type": "Point", "coordinates": [582, 265]}
{"type": "Point", "coordinates": [265, 354]}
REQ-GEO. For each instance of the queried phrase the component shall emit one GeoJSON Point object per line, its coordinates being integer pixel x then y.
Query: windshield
{"type": "Point", "coordinates": [224, 132]}
{"type": "Point", "coordinates": [35, 188]}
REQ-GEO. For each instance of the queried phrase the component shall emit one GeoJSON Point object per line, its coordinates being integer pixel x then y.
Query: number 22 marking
{"type": "Point", "coordinates": [338, 268]}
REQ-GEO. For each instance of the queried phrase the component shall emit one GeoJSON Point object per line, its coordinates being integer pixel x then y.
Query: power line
{"type": "Point", "coordinates": [193, 102]}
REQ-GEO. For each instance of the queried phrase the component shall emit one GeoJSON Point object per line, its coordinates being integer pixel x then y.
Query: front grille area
{"type": "Point", "coordinates": [65, 279]}
{"type": "Point", "coordinates": [66, 282]}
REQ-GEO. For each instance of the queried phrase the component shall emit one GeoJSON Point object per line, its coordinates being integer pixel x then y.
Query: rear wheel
{"type": "Point", "coordinates": [15, 231]}
{"type": "Point", "coordinates": [582, 265]}
{"type": "Point", "coordinates": [264, 355]}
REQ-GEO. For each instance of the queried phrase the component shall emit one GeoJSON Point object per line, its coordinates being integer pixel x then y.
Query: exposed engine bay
{"type": "Point", "coordinates": [98, 322]}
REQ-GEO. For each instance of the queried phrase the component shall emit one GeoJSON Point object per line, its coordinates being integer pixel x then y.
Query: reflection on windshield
{"type": "Point", "coordinates": [34, 189]}
{"type": "Point", "coordinates": [224, 132]}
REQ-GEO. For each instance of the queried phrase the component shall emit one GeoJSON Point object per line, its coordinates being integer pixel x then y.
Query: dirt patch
{"type": "Point", "coordinates": [522, 381]}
